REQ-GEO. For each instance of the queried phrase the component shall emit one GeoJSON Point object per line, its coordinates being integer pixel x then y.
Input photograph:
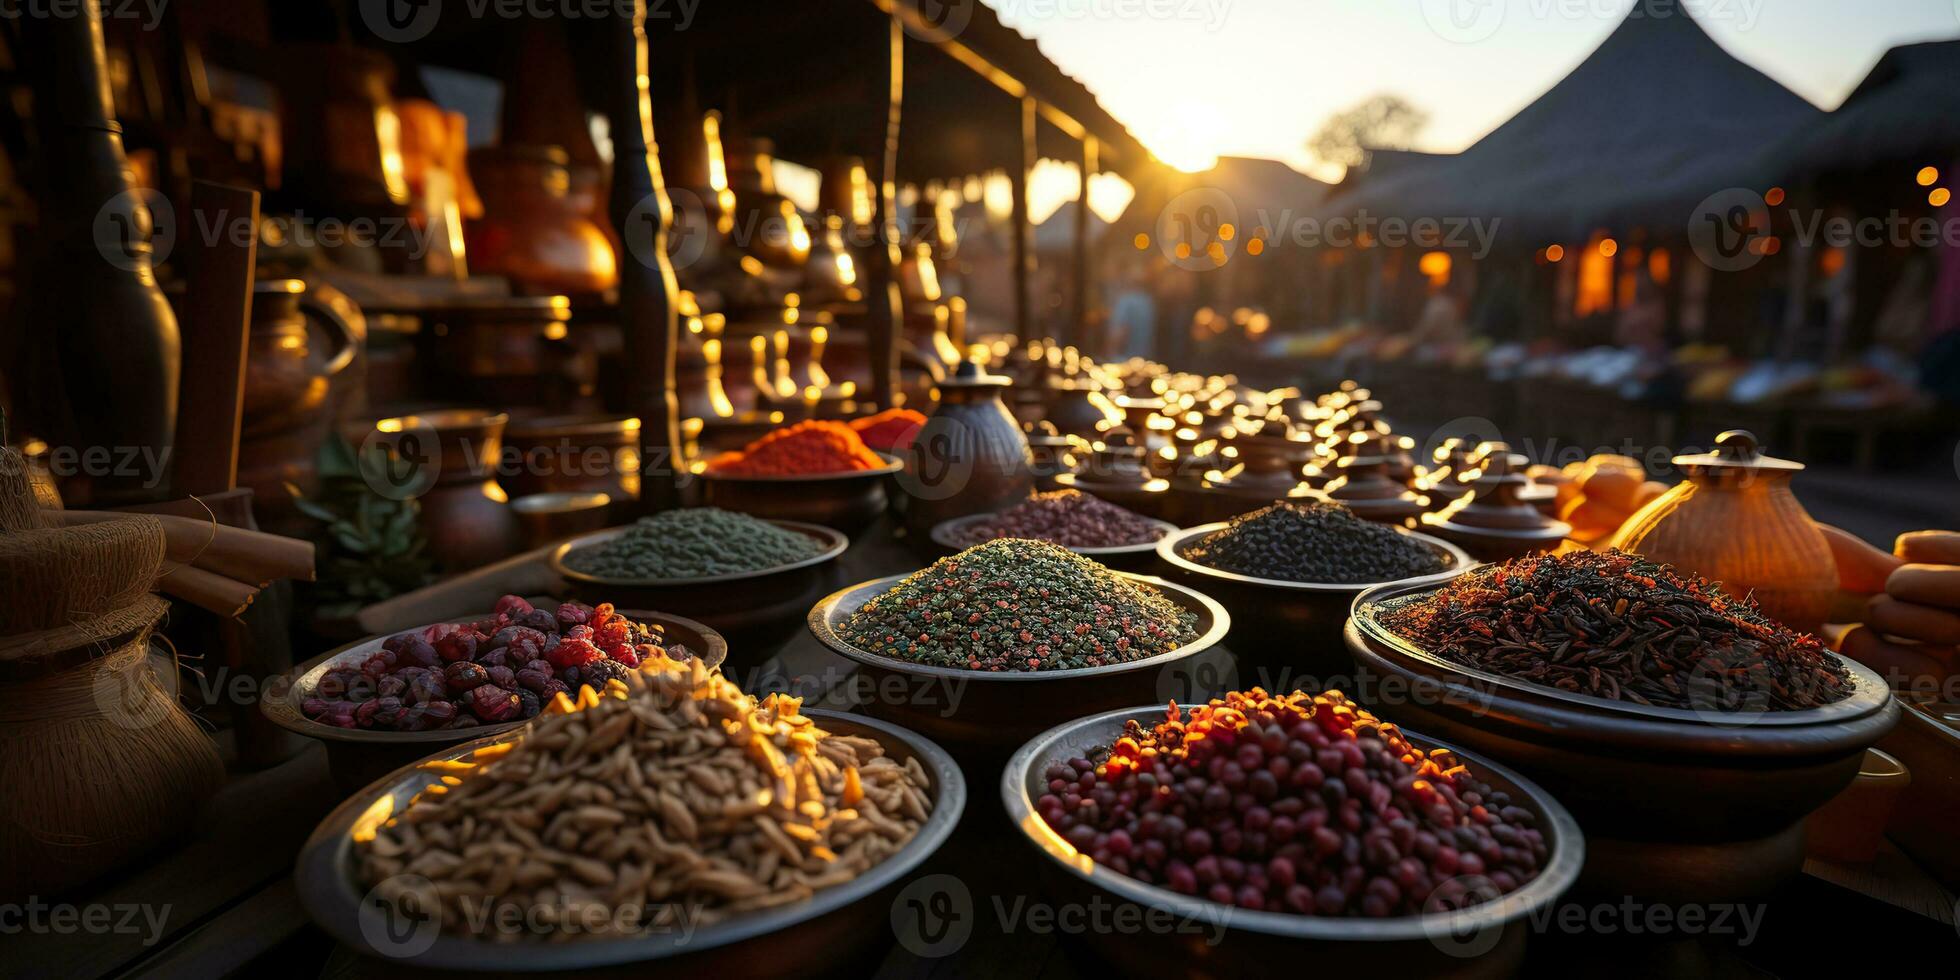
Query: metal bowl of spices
{"type": "Point", "coordinates": [985, 714]}
{"type": "Point", "coordinates": [957, 534]}
{"type": "Point", "coordinates": [847, 501]}
{"type": "Point", "coordinates": [842, 927]}
{"type": "Point", "coordinates": [356, 756]}
{"type": "Point", "coordinates": [1680, 803]}
{"type": "Point", "coordinates": [756, 610]}
{"type": "Point", "coordinates": [1203, 937]}
{"type": "Point", "coordinates": [1287, 632]}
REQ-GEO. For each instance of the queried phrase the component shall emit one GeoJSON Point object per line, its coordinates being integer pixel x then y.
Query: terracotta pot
{"type": "Point", "coordinates": [465, 513]}
{"type": "Point", "coordinates": [534, 229]}
{"type": "Point", "coordinates": [971, 456]}
{"type": "Point", "coordinates": [1735, 521]}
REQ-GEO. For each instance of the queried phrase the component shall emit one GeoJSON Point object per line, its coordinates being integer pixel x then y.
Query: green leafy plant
{"type": "Point", "coordinates": [371, 547]}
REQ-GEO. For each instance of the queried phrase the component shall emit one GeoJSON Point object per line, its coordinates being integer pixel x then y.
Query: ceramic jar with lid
{"type": "Point", "coordinates": [970, 457]}
{"type": "Point", "coordinates": [1363, 483]}
{"type": "Point", "coordinates": [1492, 521]}
{"type": "Point", "coordinates": [1735, 521]}
{"type": "Point", "coordinates": [1116, 472]}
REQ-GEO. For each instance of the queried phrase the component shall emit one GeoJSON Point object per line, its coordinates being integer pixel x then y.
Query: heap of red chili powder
{"type": "Point", "coordinates": [891, 430]}
{"type": "Point", "coordinates": [811, 448]}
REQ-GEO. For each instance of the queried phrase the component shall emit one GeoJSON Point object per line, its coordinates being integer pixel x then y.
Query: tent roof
{"type": "Point", "coordinates": [1658, 117]}
{"type": "Point", "coordinates": [1907, 109]}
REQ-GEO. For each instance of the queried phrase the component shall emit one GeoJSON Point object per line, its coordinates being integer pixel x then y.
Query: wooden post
{"type": "Point", "coordinates": [1079, 272]}
{"type": "Point", "coordinates": [648, 292]}
{"type": "Point", "coordinates": [884, 304]}
{"type": "Point", "coordinates": [1017, 173]}
{"type": "Point", "coordinates": [216, 322]}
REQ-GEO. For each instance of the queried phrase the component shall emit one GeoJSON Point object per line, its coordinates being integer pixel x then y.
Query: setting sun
{"type": "Point", "coordinates": [1186, 136]}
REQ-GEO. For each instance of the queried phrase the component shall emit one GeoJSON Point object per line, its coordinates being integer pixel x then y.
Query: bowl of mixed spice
{"type": "Point", "coordinates": [988, 647]}
{"type": "Point", "coordinates": [1081, 522]}
{"type": "Point", "coordinates": [1624, 687]}
{"type": "Point", "coordinates": [816, 471]}
{"type": "Point", "coordinates": [1289, 573]}
{"type": "Point", "coordinates": [749, 578]}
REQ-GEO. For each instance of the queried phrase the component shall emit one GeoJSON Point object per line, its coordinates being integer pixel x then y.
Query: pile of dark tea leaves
{"type": "Point", "coordinates": [1617, 626]}
{"type": "Point", "coordinates": [1314, 542]}
{"type": "Point", "coordinates": [695, 542]}
{"type": "Point", "coordinates": [1016, 604]}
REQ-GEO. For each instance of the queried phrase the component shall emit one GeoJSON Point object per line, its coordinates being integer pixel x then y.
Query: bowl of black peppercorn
{"type": "Point", "coordinates": [1289, 573]}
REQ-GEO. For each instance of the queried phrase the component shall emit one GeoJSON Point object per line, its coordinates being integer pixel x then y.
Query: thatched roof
{"type": "Point", "coordinates": [1907, 110]}
{"type": "Point", "coordinates": [1657, 118]}
{"type": "Point", "coordinates": [1257, 187]}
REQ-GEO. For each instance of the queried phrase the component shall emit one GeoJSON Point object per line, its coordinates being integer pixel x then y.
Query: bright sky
{"type": "Point", "coordinates": [1197, 78]}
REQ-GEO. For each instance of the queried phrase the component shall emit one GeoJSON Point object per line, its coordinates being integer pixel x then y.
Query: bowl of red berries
{"type": "Point", "coordinates": [383, 702]}
{"type": "Point", "coordinates": [1257, 829]}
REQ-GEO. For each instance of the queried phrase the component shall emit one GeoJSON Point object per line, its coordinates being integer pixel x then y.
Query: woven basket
{"type": "Point", "coordinates": [99, 762]}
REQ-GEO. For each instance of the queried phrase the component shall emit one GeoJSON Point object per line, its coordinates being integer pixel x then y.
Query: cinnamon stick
{"type": "Point", "coordinates": [232, 552]}
{"type": "Point", "coordinates": [207, 590]}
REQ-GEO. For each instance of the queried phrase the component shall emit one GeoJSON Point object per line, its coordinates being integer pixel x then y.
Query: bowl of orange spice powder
{"type": "Point", "coordinates": [818, 471]}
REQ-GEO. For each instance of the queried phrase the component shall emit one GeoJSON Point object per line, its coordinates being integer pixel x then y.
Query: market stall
{"type": "Point", "coordinates": [653, 567]}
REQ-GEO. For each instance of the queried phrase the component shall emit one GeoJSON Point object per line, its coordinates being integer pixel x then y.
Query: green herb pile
{"type": "Point", "coordinates": [1314, 542]}
{"type": "Point", "coordinates": [1016, 604]}
{"type": "Point", "coordinates": [693, 543]}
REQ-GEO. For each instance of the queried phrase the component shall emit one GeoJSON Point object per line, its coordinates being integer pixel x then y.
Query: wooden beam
{"type": "Point", "coordinates": [216, 324]}
{"type": "Point", "coordinates": [1023, 229]}
{"type": "Point", "coordinates": [885, 305]}
{"type": "Point", "coordinates": [648, 292]}
{"type": "Point", "coordinates": [1086, 165]}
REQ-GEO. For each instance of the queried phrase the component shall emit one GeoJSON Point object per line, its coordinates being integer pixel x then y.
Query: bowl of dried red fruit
{"type": "Point", "coordinates": [1257, 829]}
{"type": "Point", "coordinates": [383, 702]}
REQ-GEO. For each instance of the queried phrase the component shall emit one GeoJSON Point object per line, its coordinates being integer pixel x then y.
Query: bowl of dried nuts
{"type": "Point", "coordinates": [1256, 829]}
{"type": "Point", "coordinates": [671, 819]}
{"type": "Point", "coordinates": [380, 703]}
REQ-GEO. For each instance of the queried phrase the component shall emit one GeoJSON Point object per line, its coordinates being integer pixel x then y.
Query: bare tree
{"type": "Point", "coordinates": [1379, 122]}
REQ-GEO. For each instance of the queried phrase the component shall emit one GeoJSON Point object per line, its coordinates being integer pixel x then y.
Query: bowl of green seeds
{"type": "Point", "coordinates": [984, 649]}
{"type": "Point", "coordinates": [748, 578]}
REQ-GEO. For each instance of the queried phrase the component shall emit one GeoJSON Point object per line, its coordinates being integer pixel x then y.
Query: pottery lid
{"type": "Point", "coordinates": [969, 375]}
{"type": "Point", "coordinates": [1737, 449]}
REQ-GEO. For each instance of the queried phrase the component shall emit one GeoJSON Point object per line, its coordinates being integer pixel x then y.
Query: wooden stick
{"type": "Point", "coordinates": [233, 552]}
{"type": "Point", "coordinates": [207, 590]}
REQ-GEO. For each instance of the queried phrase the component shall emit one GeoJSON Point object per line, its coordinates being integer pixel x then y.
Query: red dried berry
{"type": "Point", "coordinates": [460, 645]}
{"type": "Point", "coordinates": [574, 614]}
{"type": "Point", "coordinates": [625, 655]}
{"type": "Point", "coordinates": [614, 633]}
{"type": "Point", "coordinates": [493, 704]}
{"type": "Point", "coordinates": [465, 676]}
{"type": "Point", "coordinates": [512, 606]}
{"type": "Point", "coordinates": [573, 653]}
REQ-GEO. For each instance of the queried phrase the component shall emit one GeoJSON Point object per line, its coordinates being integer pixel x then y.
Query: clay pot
{"type": "Point", "coordinates": [971, 456]}
{"type": "Point", "coordinates": [465, 513]}
{"type": "Point", "coordinates": [534, 229]}
{"type": "Point", "coordinates": [1735, 521]}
